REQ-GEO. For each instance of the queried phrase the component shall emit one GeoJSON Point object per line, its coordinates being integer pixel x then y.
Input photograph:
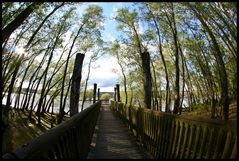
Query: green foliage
{"type": "Point", "coordinates": [105, 97]}
{"type": "Point", "coordinates": [89, 94]}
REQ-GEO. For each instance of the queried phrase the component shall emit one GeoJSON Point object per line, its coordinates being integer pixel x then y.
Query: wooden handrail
{"type": "Point", "coordinates": [166, 135]}
{"type": "Point", "coordinates": [70, 139]}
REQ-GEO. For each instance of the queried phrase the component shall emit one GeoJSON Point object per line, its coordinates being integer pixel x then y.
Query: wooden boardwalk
{"type": "Point", "coordinates": [113, 140]}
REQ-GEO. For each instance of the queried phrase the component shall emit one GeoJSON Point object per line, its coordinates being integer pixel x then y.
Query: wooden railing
{"type": "Point", "coordinates": [70, 139]}
{"type": "Point", "coordinates": [166, 135]}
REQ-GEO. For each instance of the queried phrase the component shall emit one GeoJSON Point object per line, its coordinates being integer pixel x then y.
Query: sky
{"type": "Point", "coordinates": [102, 70]}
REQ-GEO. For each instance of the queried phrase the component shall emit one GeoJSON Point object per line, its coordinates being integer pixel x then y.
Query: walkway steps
{"type": "Point", "coordinates": [113, 140]}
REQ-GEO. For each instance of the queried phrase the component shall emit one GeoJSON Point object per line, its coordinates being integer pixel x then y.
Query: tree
{"type": "Point", "coordinates": [39, 27]}
{"type": "Point", "coordinates": [58, 34]}
{"type": "Point", "coordinates": [129, 20]}
{"type": "Point", "coordinates": [8, 30]}
{"type": "Point", "coordinates": [18, 63]}
{"type": "Point", "coordinates": [93, 58]}
{"type": "Point", "coordinates": [218, 55]}
{"type": "Point", "coordinates": [90, 22]}
{"type": "Point", "coordinates": [154, 18]}
{"type": "Point", "coordinates": [114, 49]}
{"type": "Point", "coordinates": [105, 97]}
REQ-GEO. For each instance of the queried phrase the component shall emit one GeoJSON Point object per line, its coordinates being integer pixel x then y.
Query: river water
{"type": "Point", "coordinates": [56, 102]}
{"type": "Point", "coordinates": [86, 104]}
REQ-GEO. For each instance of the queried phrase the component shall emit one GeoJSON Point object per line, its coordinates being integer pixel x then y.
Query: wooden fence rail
{"type": "Point", "coordinates": [166, 135]}
{"type": "Point", "coordinates": [70, 139]}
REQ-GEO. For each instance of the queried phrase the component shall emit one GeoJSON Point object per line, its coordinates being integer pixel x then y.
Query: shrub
{"type": "Point", "coordinates": [105, 97]}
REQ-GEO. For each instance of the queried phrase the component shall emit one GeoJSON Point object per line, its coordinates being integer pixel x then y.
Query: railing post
{"type": "Point", "coordinates": [94, 92]}
{"type": "Point", "coordinates": [75, 86]}
{"type": "Point", "coordinates": [115, 94]}
{"type": "Point", "coordinates": [118, 93]}
{"type": "Point", "coordinates": [147, 79]}
{"type": "Point", "coordinates": [98, 94]}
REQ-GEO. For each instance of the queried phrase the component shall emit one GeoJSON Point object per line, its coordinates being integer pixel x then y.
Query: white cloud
{"type": "Point", "coordinates": [110, 37]}
{"type": "Point", "coordinates": [67, 37]}
{"type": "Point", "coordinates": [103, 74]}
{"type": "Point", "coordinates": [107, 89]}
{"type": "Point", "coordinates": [141, 28]}
{"type": "Point", "coordinates": [94, 3]}
{"type": "Point", "coordinates": [115, 8]}
{"type": "Point", "coordinates": [106, 64]}
{"type": "Point", "coordinates": [152, 48]}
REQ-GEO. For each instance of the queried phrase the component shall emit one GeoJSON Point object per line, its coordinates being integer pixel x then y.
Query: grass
{"type": "Point", "coordinates": [204, 111]}
{"type": "Point", "coordinates": [20, 129]}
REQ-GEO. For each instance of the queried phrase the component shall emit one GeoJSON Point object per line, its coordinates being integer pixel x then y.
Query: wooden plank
{"type": "Point", "coordinates": [185, 138]}
{"type": "Point", "coordinates": [179, 138]}
{"type": "Point", "coordinates": [166, 138]}
{"type": "Point", "coordinates": [191, 134]}
{"type": "Point", "coordinates": [169, 152]}
{"type": "Point", "coordinates": [167, 134]}
{"type": "Point", "coordinates": [114, 140]}
{"type": "Point", "coordinates": [118, 93]}
{"type": "Point", "coordinates": [234, 151]}
{"type": "Point", "coordinates": [75, 86]}
{"type": "Point", "coordinates": [170, 136]}
{"type": "Point", "coordinates": [160, 136]}
{"type": "Point", "coordinates": [94, 93]}
{"type": "Point", "coordinates": [198, 132]}
{"type": "Point", "coordinates": [154, 134]}
{"type": "Point", "coordinates": [217, 145]}
{"type": "Point", "coordinates": [210, 144]}
{"type": "Point", "coordinates": [227, 145]}
{"type": "Point", "coordinates": [157, 136]}
{"type": "Point", "coordinates": [175, 138]}
{"type": "Point", "coordinates": [203, 142]}
{"type": "Point", "coordinates": [163, 135]}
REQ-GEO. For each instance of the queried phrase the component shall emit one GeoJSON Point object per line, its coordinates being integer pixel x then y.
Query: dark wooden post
{"type": "Point", "coordinates": [115, 94]}
{"type": "Point", "coordinates": [94, 92]}
{"type": "Point", "coordinates": [118, 92]}
{"type": "Point", "coordinates": [98, 94]}
{"type": "Point", "coordinates": [75, 86]}
{"type": "Point", "coordinates": [147, 79]}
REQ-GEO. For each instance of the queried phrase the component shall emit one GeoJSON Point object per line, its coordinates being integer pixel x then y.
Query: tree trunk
{"type": "Point", "coordinates": [176, 89]}
{"type": "Point", "coordinates": [156, 95]}
{"type": "Point", "coordinates": [124, 77]}
{"type": "Point", "coordinates": [39, 108]}
{"type": "Point", "coordinates": [86, 84]}
{"type": "Point", "coordinates": [183, 75]}
{"type": "Point", "coordinates": [172, 25]}
{"type": "Point", "coordinates": [22, 81]}
{"type": "Point", "coordinates": [75, 87]}
{"type": "Point", "coordinates": [67, 91]}
{"type": "Point", "coordinates": [24, 103]}
{"type": "Point", "coordinates": [12, 82]}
